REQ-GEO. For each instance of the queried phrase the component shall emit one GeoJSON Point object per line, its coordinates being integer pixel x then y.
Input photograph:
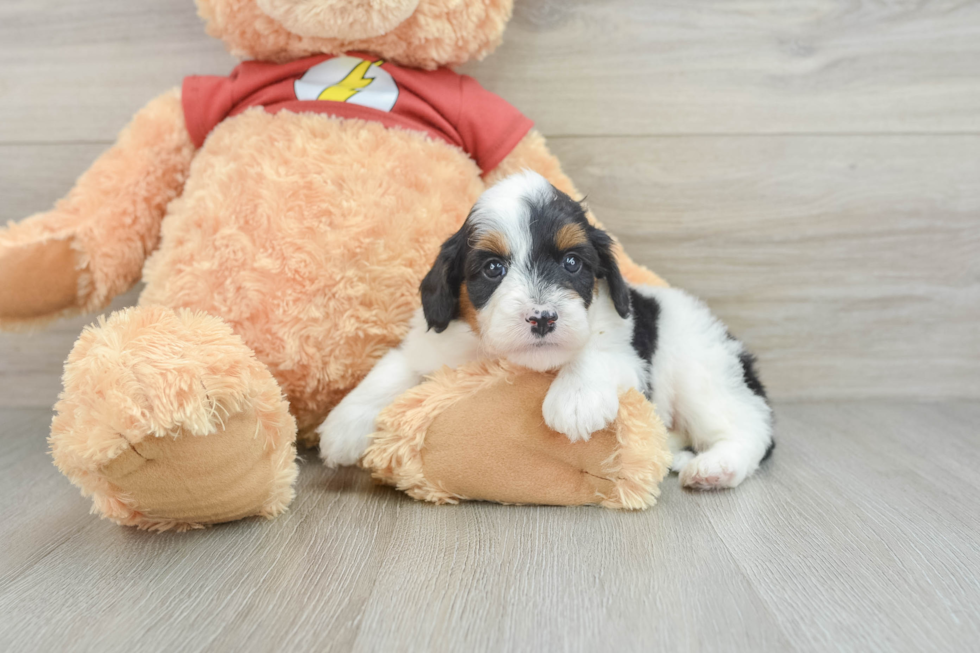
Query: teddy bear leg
{"type": "Point", "coordinates": [167, 420]}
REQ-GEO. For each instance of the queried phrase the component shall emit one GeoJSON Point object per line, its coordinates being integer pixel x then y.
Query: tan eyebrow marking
{"type": "Point", "coordinates": [569, 236]}
{"type": "Point", "coordinates": [493, 242]}
{"type": "Point", "coordinates": [467, 311]}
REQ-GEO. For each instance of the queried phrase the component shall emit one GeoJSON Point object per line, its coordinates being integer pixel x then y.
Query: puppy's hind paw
{"type": "Point", "coordinates": [681, 459]}
{"type": "Point", "coordinates": [713, 470]}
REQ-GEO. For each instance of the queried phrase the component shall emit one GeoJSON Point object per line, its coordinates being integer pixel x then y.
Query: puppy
{"type": "Point", "coordinates": [527, 278]}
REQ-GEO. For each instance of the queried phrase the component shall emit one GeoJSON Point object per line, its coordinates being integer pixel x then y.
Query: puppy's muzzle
{"type": "Point", "coordinates": [542, 322]}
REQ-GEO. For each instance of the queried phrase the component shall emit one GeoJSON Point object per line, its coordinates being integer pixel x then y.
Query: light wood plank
{"type": "Point", "coordinates": [849, 264]}
{"type": "Point", "coordinates": [72, 71]}
{"type": "Point", "coordinates": [871, 515]}
{"type": "Point", "coordinates": [524, 572]}
{"type": "Point", "coordinates": [33, 177]}
{"type": "Point", "coordinates": [31, 363]}
{"type": "Point", "coordinates": [618, 67]}
{"type": "Point", "coordinates": [853, 537]}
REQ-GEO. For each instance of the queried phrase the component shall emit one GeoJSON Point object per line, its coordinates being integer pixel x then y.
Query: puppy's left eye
{"type": "Point", "coordinates": [572, 263]}
{"type": "Point", "coordinates": [494, 269]}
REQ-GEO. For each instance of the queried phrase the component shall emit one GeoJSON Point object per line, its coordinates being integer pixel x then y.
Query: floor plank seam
{"type": "Point", "coordinates": [748, 577]}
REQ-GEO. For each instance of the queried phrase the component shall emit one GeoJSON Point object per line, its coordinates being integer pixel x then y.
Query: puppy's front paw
{"type": "Point", "coordinates": [344, 436]}
{"type": "Point", "coordinates": [578, 409]}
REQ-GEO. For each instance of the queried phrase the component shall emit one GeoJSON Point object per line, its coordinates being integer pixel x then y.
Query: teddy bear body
{"type": "Point", "coordinates": [290, 222]}
{"type": "Point", "coordinates": [282, 248]}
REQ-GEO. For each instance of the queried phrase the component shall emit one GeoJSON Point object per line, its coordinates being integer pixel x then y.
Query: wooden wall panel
{"type": "Point", "coordinates": [809, 167]}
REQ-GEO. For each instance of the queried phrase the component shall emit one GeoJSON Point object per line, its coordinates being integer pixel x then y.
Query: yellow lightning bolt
{"type": "Point", "coordinates": [346, 88]}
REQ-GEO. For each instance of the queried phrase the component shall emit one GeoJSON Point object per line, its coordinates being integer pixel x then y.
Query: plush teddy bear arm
{"type": "Point", "coordinates": [476, 432]}
{"type": "Point", "coordinates": [91, 246]}
{"type": "Point", "coordinates": [532, 153]}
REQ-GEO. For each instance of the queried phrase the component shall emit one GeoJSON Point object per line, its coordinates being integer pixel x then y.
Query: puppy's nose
{"type": "Point", "coordinates": [542, 322]}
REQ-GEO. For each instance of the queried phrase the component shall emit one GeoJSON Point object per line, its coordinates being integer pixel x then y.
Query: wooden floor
{"type": "Point", "coordinates": [809, 167]}
{"type": "Point", "coordinates": [860, 534]}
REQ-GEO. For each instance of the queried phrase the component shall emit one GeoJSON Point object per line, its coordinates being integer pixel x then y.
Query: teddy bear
{"type": "Point", "coordinates": [282, 218]}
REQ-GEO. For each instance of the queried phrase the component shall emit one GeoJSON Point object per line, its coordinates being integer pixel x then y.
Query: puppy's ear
{"type": "Point", "coordinates": [440, 287]}
{"type": "Point", "coordinates": [609, 270]}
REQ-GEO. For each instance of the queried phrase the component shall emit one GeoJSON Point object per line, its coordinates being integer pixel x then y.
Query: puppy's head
{"type": "Point", "coordinates": [523, 271]}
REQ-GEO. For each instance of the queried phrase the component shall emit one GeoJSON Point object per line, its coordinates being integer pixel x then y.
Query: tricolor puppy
{"type": "Point", "coordinates": [527, 278]}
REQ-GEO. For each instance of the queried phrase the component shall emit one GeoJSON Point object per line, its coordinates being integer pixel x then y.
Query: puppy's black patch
{"type": "Point", "coordinates": [751, 379]}
{"type": "Point", "coordinates": [478, 285]}
{"type": "Point", "coordinates": [594, 250]}
{"type": "Point", "coordinates": [749, 374]}
{"type": "Point", "coordinates": [440, 287]}
{"type": "Point", "coordinates": [646, 316]}
{"type": "Point", "coordinates": [609, 270]}
{"type": "Point", "coordinates": [547, 218]}
{"type": "Point", "coordinates": [765, 456]}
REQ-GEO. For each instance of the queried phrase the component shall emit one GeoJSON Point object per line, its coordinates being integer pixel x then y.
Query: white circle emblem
{"type": "Point", "coordinates": [349, 79]}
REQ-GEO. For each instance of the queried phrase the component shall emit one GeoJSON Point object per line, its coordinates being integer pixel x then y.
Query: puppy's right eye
{"type": "Point", "coordinates": [572, 263]}
{"type": "Point", "coordinates": [494, 269]}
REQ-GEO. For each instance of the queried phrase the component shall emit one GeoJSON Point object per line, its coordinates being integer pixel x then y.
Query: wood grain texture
{"type": "Point", "coordinates": [626, 67]}
{"type": "Point", "coordinates": [73, 71]}
{"type": "Point", "coordinates": [889, 524]}
{"type": "Point", "coordinates": [31, 363]}
{"type": "Point", "coordinates": [851, 265]}
{"type": "Point", "coordinates": [78, 71]}
{"type": "Point", "coordinates": [854, 537]}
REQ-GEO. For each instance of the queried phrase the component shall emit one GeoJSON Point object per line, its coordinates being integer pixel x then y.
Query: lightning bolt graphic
{"type": "Point", "coordinates": [355, 81]}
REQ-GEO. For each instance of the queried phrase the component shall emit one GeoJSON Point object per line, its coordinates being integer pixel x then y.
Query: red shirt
{"type": "Point", "coordinates": [440, 103]}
